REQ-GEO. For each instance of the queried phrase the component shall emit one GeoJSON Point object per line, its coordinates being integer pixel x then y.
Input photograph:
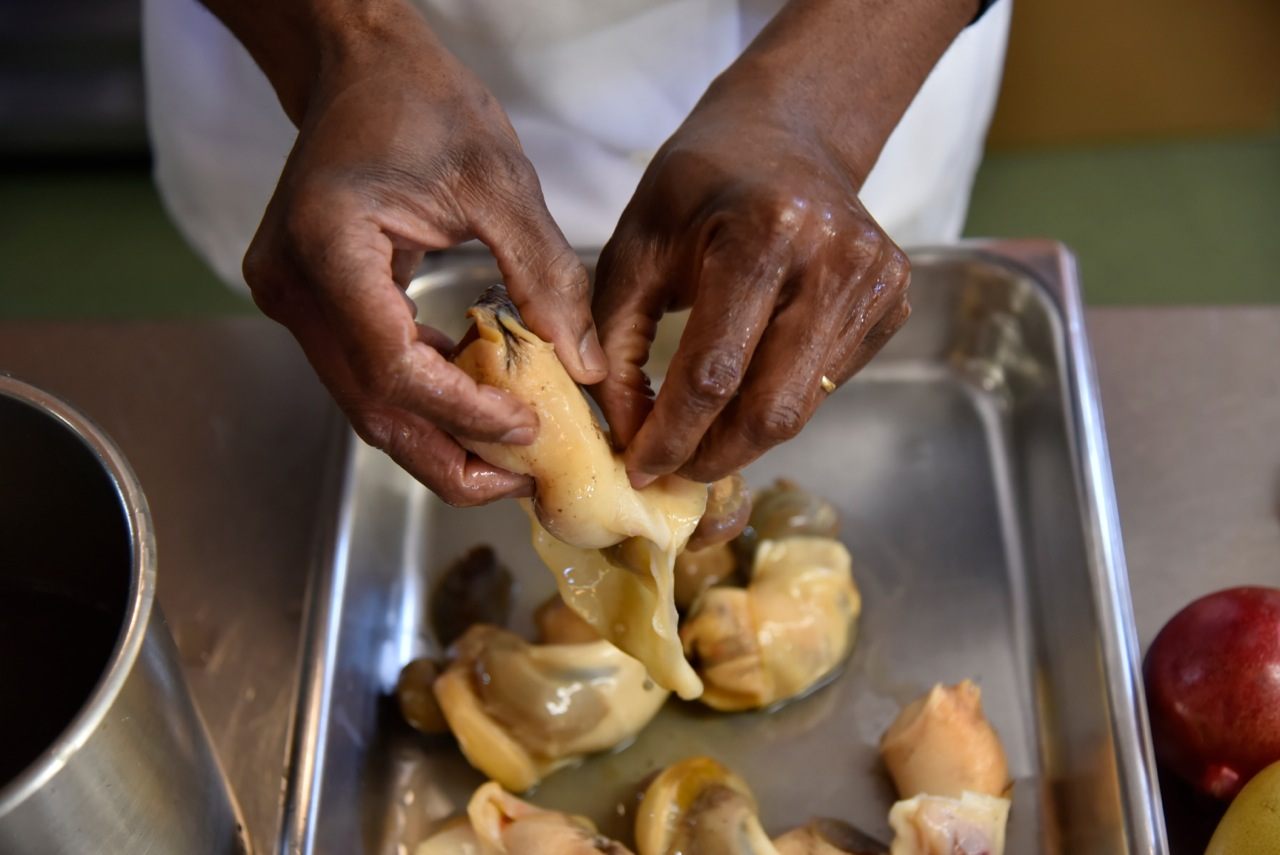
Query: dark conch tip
{"type": "Point", "coordinates": [496, 299]}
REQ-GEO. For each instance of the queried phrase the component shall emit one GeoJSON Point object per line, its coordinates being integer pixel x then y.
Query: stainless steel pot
{"type": "Point", "coordinates": [101, 749]}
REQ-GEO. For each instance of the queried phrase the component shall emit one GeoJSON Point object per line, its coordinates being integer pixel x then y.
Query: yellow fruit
{"type": "Point", "coordinates": [1251, 825]}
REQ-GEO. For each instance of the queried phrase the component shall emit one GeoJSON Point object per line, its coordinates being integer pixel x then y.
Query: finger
{"type": "Point", "coordinates": [387, 364]}
{"type": "Point", "coordinates": [434, 339]}
{"type": "Point", "coordinates": [404, 264]}
{"type": "Point", "coordinates": [629, 301]}
{"type": "Point", "coordinates": [842, 367]}
{"type": "Point", "coordinates": [425, 451]}
{"type": "Point", "coordinates": [875, 320]}
{"type": "Point", "coordinates": [544, 276]}
{"type": "Point", "coordinates": [783, 387]}
{"type": "Point", "coordinates": [736, 294]}
{"type": "Point", "coordinates": [434, 458]}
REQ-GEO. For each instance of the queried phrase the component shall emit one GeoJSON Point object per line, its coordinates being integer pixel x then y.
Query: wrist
{"type": "Point", "coordinates": [842, 72]}
{"type": "Point", "coordinates": [303, 44]}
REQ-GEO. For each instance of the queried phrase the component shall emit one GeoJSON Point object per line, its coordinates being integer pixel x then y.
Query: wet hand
{"type": "Point", "coordinates": [401, 151]}
{"type": "Point", "coordinates": [793, 287]}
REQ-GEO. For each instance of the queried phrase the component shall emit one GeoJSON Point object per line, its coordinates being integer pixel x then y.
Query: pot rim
{"type": "Point", "coordinates": [141, 600]}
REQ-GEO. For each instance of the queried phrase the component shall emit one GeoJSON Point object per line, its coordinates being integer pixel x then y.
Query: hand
{"type": "Point", "coordinates": [749, 215]}
{"type": "Point", "coordinates": [401, 150]}
{"type": "Point", "coordinates": [791, 283]}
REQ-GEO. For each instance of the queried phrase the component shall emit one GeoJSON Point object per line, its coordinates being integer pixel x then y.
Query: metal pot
{"type": "Point", "coordinates": [101, 748]}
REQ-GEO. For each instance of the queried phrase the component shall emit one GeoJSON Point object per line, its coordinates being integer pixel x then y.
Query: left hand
{"type": "Point", "coordinates": [750, 219]}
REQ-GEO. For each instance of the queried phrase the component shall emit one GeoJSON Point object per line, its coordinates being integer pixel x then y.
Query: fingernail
{"type": "Point", "coordinates": [640, 480]}
{"type": "Point", "coordinates": [519, 436]}
{"type": "Point", "coordinates": [593, 358]}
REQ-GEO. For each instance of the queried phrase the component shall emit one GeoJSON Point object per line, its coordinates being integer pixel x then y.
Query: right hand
{"type": "Point", "coordinates": [401, 150]}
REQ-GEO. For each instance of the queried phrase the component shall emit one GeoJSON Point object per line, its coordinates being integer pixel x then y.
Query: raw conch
{"type": "Point", "coordinates": [973, 824]}
{"type": "Point", "coordinates": [520, 711]}
{"type": "Point", "coordinates": [949, 766]}
{"type": "Point", "coordinates": [827, 837]}
{"type": "Point", "coordinates": [697, 570]}
{"type": "Point", "coordinates": [784, 633]}
{"type": "Point", "coordinates": [498, 823]}
{"type": "Point", "coordinates": [943, 745]}
{"type": "Point", "coordinates": [785, 509]}
{"type": "Point", "coordinates": [610, 547]}
{"type": "Point", "coordinates": [558, 624]}
{"type": "Point", "coordinates": [697, 805]}
{"type": "Point", "coordinates": [693, 807]}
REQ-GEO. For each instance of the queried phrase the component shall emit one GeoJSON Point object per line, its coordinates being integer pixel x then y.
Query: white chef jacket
{"type": "Point", "coordinates": [592, 88]}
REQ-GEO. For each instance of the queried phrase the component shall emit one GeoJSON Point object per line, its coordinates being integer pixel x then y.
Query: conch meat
{"type": "Point", "coordinates": [520, 711]}
{"type": "Point", "coordinates": [943, 745]}
{"type": "Point", "coordinates": [780, 636]}
{"type": "Point", "coordinates": [697, 805]}
{"type": "Point", "coordinates": [949, 766]}
{"type": "Point", "coordinates": [498, 823]}
{"type": "Point", "coordinates": [973, 824]}
{"type": "Point", "coordinates": [611, 547]}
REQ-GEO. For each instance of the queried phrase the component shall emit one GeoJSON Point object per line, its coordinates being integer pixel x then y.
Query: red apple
{"type": "Point", "coordinates": [1213, 689]}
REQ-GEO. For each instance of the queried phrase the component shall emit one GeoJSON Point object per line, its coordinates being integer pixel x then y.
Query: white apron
{"type": "Point", "coordinates": [592, 88]}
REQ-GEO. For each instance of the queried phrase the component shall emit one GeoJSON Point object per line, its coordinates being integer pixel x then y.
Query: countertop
{"type": "Point", "coordinates": [230, 433]}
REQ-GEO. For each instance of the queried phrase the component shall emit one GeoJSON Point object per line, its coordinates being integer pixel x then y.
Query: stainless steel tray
{"type": "Point", "coordinates": [969, 464]}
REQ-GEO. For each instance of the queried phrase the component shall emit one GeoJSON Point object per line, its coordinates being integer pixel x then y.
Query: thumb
{"type": "Point", "coordinates": [544, 276]}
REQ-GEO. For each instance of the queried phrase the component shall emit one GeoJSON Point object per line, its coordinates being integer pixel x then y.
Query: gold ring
{"type": "Point", "coordinates": [827, 385]}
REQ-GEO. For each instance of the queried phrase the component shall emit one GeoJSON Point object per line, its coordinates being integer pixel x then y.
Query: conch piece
{"type": "Point", "coordinates": [559, 624]}
{"type": "Point", "coordinates": [505, 824]}
{"type": "Point", "coordinates": [697, 570]}
{"type": "Point", "coordinates": [727, 514]}
{"type": "Point", "coordinates": [475, 589]}
{"type": "Point", "coordinates": [498, 823]}
{"type": "Point", "coordinates": [520, 711]}
{"type": "Point", "coordinates": [943, 745]}
{"type": "Point", "coordinates": [827, 837]}
{"type": "Point", "coordinates": [699, 806]}
{"type": "Point", "coordinates": [780, 636]}
{"type": "Point", "coordinates": [973, 824]}
{"type": "Point", "coordinates": [453, 837]}
{"type": "Point", "coordinates": [610, 547]}
{"type": "Point", "coordinates": [416, 698]}
{"type": "Point", "coordinates": [785, 509]}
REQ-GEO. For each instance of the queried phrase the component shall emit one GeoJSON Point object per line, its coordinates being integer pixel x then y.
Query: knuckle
{"type": "Point", "coordinates": [395, 439]}
{"type": "Point", "coordinates": [898, 269]}
{"type": "Point", "coordinates": [272, 293]}
{"type": "Point", "coordinates": [677, 164]}
{"type": "Point", "coordinates": [899, 316]}
{"type": "Point", "coordinates": [862, 248]}
{"type": "Point", "coordinates": [714, 378]}
{"type": "Point", "coordinates": [375, 429]}
{"type": "Point", "coordinates": [304, 221]}
{"type": "Point", "coordinates": [275, 283]}
{"type": "Point", "coordinates": [904, 311]}
{"type": "Point", "coordinates": [780, 418]}
{"type": "Point", "coordinates": [382, 380]}
{"type": "Point", "coordinates": [492, 177]}
{"type": "Point", "coordinates": [787, 216]}
{"type": "Point", "coordinates": [509, 168]}
{"type": "Point", "coordinates": [566, 276]}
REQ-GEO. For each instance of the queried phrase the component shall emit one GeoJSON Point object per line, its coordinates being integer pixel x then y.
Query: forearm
{"type": "Point", "coordinates": [295, 41]}
{"type": "Point", "coordinates": [847, 69]}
